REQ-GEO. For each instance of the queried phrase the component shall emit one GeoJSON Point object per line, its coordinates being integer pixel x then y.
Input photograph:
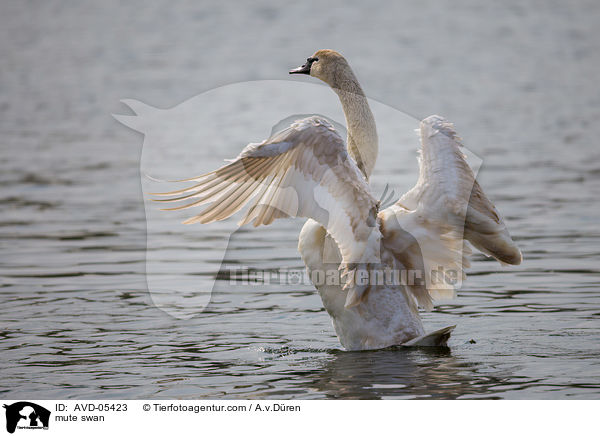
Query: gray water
{"type": "Point", "coordinates": [77, 321]}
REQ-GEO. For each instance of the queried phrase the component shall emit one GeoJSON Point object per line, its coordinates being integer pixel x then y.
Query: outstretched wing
{"type": "Point", "coordinates": [429, 225]}
{"type": "Point", "coordinates": [301, 171]}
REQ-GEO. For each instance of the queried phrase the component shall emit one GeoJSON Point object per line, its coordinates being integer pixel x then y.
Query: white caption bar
{"type": "Point", "coordinates": [150, 417]}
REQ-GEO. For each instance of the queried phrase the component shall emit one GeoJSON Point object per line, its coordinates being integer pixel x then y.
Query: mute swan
{"type": "Point", "coordinates": [306, 170]}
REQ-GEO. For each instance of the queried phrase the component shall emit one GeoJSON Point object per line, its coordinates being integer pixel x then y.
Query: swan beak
{"type": "Point", "coordinates": [304, 69]}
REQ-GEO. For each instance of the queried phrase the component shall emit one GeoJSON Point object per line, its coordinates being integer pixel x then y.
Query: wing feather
{"type": "Point", "coordinates": [301, 171]}
{"type": "Point", "coordinates": [442, 214]}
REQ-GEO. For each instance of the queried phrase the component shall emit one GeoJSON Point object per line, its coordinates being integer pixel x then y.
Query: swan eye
{"type": "Point", "coordinates": [311, 60]}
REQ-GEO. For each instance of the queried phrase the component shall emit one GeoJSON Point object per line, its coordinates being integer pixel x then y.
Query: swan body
{"type": "Point", "coordinates": [354, 251]}
{"type": "Point", "coordinates": [388, 317]}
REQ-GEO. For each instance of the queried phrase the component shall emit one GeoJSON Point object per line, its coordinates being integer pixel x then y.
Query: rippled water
{"type": "Point", "coordinates": [77, 318]}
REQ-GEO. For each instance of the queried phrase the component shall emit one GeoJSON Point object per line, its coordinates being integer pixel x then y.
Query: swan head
{"type": "Point", "coordinates": [327, 65]}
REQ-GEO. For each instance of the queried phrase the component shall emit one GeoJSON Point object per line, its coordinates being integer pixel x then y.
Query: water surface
{"type": "Point", "coordinates": [77, 318]}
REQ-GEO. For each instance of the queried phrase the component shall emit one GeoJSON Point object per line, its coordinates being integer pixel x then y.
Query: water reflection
{"type": "Point", "coordinates": [400, 373]}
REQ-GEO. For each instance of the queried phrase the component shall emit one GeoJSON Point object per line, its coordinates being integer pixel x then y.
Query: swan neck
{"type": "Point", "coordinates": [362, 132]}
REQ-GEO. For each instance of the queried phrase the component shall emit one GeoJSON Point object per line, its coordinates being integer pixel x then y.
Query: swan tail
{"type": "Point", "coordinates": [438, 338]}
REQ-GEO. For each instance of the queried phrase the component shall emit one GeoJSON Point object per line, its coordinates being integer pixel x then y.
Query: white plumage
{"type": "Point", "coordinates": [307, 171]}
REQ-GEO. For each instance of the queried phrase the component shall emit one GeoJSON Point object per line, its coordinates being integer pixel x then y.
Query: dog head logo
{"type": "Point", "coordinates": [26, 415]}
